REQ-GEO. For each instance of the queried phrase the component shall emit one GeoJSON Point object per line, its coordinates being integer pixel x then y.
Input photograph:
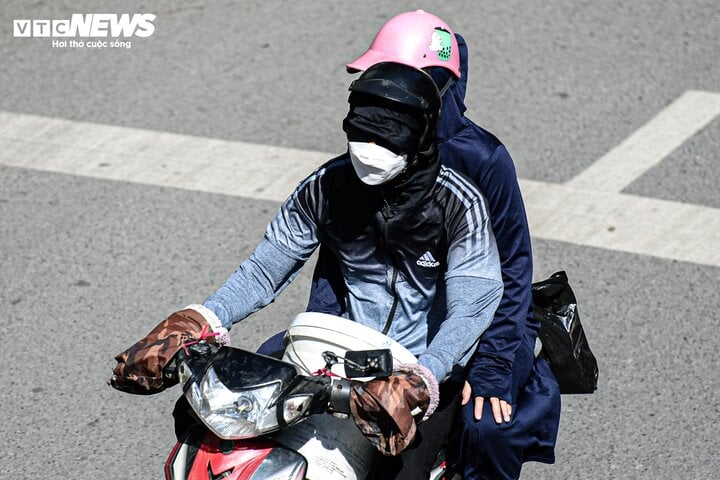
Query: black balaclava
{"type": "Point", "coordinates": [389, 124]}
{"type": "Point", "coordinates": [401, 130]}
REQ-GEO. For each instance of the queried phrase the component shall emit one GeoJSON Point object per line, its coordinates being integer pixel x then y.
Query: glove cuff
{"type": "Point", "coordinates": [223, 335]}
{"type": "Point", "coordinates": [430, 382]}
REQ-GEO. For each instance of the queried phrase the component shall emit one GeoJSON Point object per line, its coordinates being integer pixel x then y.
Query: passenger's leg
{"type": "Point", "coordinates": [497, 452]}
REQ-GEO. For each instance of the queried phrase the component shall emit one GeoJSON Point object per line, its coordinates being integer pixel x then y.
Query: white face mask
{"type": "Point", "coordinates": [374, 164]}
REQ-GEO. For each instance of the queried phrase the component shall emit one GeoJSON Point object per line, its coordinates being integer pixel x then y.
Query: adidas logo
{"type": "Point", "coordinates": [427, 260]}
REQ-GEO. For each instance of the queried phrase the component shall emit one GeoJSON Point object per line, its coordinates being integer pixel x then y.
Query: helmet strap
{"type": "Point", "coordinates": [447, 85]}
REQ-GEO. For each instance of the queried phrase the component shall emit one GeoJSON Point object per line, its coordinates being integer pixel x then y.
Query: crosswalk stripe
{"type": "Point", "coordinates": [567, 213]}
{"type": "Point", "coordinates": [652, 142]}
{"type": "Point", "coordinates": [153, 158]}
{"type": "Point", "coordinates": [621, 222]}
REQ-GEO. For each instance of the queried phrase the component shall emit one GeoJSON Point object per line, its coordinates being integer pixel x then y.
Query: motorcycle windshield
{"type": "Point", "coordinates": [240, 370]}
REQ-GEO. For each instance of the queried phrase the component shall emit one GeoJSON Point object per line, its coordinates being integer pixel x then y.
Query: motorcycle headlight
{"type": "Point", "coordinates": [235, 414]}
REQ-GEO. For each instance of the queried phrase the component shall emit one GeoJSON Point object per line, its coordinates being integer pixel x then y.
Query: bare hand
{"type": "Point", "coordinates": [502, 410]}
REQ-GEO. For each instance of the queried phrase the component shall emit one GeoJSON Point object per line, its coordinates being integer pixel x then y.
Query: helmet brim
{"type": "Point", "coordinates": [372, 57]}
{"type": "Point", "coordinates": [390, 91]}
{"type": "Point", "coordinates": [367, 60]}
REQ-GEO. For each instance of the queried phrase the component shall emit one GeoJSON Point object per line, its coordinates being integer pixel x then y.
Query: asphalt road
{"type": "Point", "coordinates": [89, 265]}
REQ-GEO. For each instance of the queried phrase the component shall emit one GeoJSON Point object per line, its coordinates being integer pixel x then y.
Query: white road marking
{"type": "Point", "coordinates": [574, 212]}
{"type": "Point", "coordinates": [621, 222]}
{"type": "Point", "coordinates": [153, 158]}
{"type": "Point", "coordinates": [652, 142]}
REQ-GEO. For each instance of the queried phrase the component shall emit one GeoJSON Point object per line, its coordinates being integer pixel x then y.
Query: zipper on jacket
{"type": "Point", "coordinates": [393, 308]}
{"type": "Point", "coordinates": [387, 214]}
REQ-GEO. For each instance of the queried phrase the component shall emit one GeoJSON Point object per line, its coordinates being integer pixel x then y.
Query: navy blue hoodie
{"type": "Point", "coordinates": [472, 150]}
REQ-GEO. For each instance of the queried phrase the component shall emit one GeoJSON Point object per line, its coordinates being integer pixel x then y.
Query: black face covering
{"type": "Point", "coordinates": [389, 125]}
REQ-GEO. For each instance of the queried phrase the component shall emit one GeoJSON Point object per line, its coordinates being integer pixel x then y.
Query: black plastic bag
{"type": "Point", "coordinates": [562, 335]}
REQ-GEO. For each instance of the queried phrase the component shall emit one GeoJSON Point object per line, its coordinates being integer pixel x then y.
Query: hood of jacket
{"type": "Point", "coordinates": [452, 119]}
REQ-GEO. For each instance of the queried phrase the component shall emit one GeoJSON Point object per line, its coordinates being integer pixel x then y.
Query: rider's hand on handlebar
{"type": "Point", "coordinates": [140, 368]}
{"type": "Point", "coordinates": [502, 410]}
{"type": "Point", "coordinates": [387, 409]}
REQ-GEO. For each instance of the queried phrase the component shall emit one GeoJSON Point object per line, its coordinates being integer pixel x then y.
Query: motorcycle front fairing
{"type": "Point", "coordinates": [200, 455]}
{"type": "Point", "coordinates": [240, 394]}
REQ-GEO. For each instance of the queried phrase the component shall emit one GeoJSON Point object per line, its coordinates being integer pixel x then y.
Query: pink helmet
{"type": "Point", "coordinates": [418, 39]}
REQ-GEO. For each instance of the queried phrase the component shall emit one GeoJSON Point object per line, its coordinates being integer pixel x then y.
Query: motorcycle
{"type": "Point", "coordinates": [265, 418]}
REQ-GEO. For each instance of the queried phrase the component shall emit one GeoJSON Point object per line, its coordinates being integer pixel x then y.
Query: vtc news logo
{"type": "Point", "coordinates": [88, 26]}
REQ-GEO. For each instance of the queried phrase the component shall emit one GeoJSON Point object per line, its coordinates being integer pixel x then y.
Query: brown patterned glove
{"type": "Point", "coordinates": [139, 368]}
{"type": "Point", "coordinates": [386, 409]}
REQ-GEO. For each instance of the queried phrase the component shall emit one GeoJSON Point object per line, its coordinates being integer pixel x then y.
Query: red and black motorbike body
{"type": "Point", "coordinates": [200, 455]}
{"type": "Point", "coordinates": [207, 451]}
